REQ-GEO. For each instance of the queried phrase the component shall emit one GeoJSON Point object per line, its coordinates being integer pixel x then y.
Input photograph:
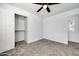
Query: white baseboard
{"type": "Point", "coordinates": [33, 41]}
{"type": "Point", "coordinates": [64, 42]}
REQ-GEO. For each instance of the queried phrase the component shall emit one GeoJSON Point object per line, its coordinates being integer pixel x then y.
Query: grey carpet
{"type": "Point", "coordinates": [44, 48]}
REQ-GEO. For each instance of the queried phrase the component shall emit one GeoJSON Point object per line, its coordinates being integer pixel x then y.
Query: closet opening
{"type": "Point", "coordinates": [20, 28]}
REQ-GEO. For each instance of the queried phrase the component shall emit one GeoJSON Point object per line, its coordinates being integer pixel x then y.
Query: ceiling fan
{"type": "Point", "coordinates": [45, 6]}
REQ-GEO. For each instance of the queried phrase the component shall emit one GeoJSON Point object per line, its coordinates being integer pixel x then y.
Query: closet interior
{"type": "Point", "coordinates": [20, 28]}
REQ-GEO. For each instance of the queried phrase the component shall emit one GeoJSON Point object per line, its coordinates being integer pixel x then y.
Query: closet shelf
{"type": "Point", "coordinates": [19, 30]}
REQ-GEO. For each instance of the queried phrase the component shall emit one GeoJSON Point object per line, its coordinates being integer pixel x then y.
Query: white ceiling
{"type": "Point", "coordinates": [55, 9]}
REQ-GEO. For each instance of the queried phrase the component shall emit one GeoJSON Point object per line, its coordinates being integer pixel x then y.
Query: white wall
{"type": "Point", "coordinates": [7, 30]}
{"type": "Point", "coordinates": [7, 27]}
{"type": "Point", "coordinates": [74, 35]}
{"type": "Point", "coordinates": [55, 29]}
{"type": "Point", "coordinates": [34, 29]}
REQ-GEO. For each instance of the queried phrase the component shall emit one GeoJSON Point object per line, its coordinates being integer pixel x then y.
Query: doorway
{"type": "Point", "coordinates": [20, 28]}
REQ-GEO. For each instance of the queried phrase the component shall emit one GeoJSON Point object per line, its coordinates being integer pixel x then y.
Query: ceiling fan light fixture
{"type": "Point", "coordinates": [44, 6]}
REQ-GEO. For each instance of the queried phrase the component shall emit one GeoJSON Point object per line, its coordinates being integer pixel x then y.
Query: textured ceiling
{"type": "Point", "coordinates": [55, 9]}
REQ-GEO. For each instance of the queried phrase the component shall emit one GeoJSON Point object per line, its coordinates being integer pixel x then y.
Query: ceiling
{"type": "Point", "coordinates": [55, 9]}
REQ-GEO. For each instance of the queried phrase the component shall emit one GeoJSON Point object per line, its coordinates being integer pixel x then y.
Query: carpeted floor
{"type": "Point", "coordinates": [44, 48]}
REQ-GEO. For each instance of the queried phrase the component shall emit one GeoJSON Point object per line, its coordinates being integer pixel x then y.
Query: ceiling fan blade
{"type": "Point", "coordinates": [46, 3]}
{"type": "Point", "coordinates": [39, 9]}
{"type": "Point", "coordinates": [53, 3]}
{"type": "Point", "coordinates": [38, 3]}
{"type": "Point", "coordinates": [48, 9]}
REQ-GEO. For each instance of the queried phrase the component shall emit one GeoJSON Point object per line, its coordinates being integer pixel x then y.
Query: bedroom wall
{"type": "Point", "coordinates": [55, 29]}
